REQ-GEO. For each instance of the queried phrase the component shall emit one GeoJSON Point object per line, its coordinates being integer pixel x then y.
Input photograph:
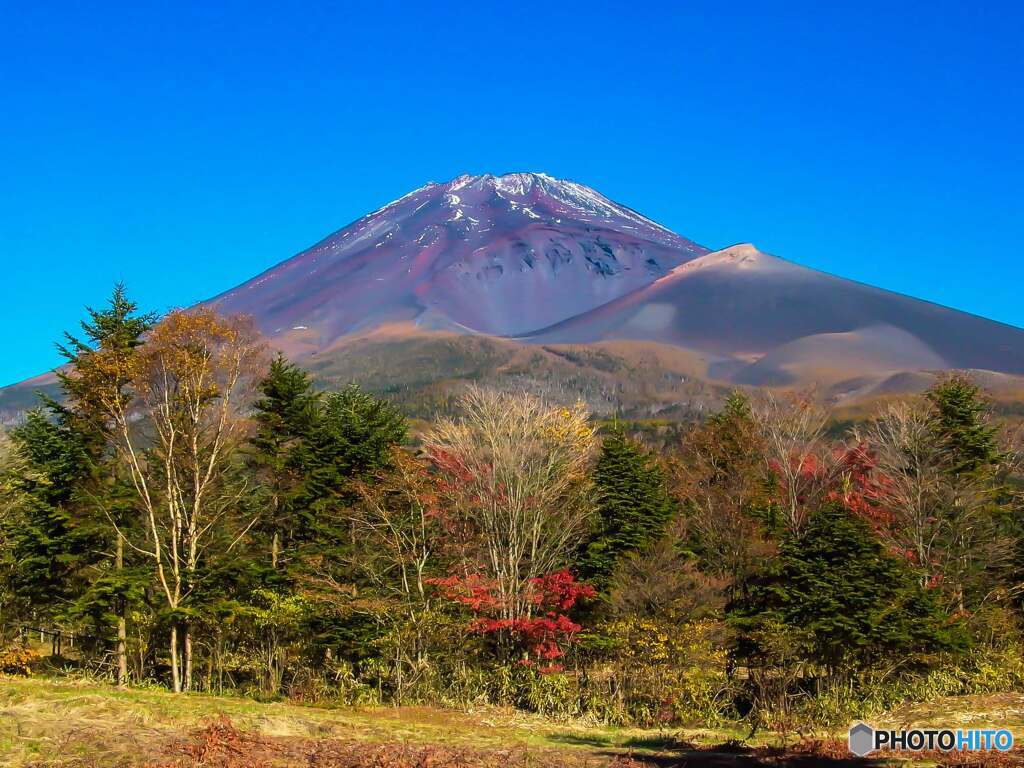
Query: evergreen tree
{"type": "Point", "coordinates": [44, 547]}
{"type": "Point", "coordinates": [727, 494]}
{"type": "Point", "coordinates": [100, 367]}
{"type": "Point", "coordinates": [962, 426]}
{"type": "Point", "coordinates": [310, 447]}
{"type": "Point", "coordinates": [735, 411]}
{"type": "Point", "coordinates": [99, 372]}
{"type": "Point", "coordinates": [356, 434]}
{"type": "Point", "coordinates": [982, 525]}
{"type": "Point", "coordinates": [282, 455]}
{"type": "Point", "coordinates": [851, 603]}
{"type": "Point", "coordinates": [308, 452]}
{"type": "Point", "coordinates": [351, 441]}
{"type": "Point", "coordinates": [633, 505]}
{"type": "Point", "coordinates": [68, 484]}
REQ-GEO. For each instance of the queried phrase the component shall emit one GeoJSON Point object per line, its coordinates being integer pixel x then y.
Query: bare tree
{"type": "Point", "coordinates": [517, 471]}
{"type": "Point", "coordinates": [397, 527]}
{"type": "Point", "coordinates": [190, 379]}
{"type": "Point", "coordinates": [910, 490]}
{"type": "Point", "coordinates": [942, 520]}
{"type": "Point", "coordinates": [397, 524]}
{"type": "Point", "coordinates": [795, 450]}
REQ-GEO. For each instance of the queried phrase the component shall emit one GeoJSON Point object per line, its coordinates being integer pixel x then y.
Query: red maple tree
{"type": "Point", "coordinates": [538, 637]}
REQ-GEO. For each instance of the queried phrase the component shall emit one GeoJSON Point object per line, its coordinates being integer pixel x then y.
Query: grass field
{"type": "Point", "coordinates": [44, 723]}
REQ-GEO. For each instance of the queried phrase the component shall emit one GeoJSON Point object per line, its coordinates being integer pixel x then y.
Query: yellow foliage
{"type": "Point", "coordinates": [570, 426]}
{"type": "Point", "coordinates": [18, 660]}
{"type": "Point", "coordinates": [200, 353]}
{"type": "Point", "coordinates": [670, 672]}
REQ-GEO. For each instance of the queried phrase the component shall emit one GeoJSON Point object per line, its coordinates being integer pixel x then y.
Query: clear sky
{"type": "Point", "coordinates": [182, 147]}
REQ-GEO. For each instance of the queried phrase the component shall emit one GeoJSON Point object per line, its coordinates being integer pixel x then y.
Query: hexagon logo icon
{"type": "Point", "coordinates": [862, 739]}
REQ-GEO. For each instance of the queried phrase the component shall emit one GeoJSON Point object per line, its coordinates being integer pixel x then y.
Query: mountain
{"type": "Point", "coordinates": [767, 321]}
{"type": "Point", "coordinates": [500, 255]}
{"type": "Point", "coordinates": [530, 282]}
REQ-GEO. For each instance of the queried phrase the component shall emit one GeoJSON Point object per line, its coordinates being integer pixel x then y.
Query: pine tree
{"type": "Point", "coordinates": [308, 452]}
{"type": "Point", "coordinates": [981, 522]}
{"type": "Point", "coordinates": [282, 455]}
{"type": "Point", "coordinates": [100, 366]}
{"type": "Point", "coordinates": [310, 447]}
{"type": "Point", "coordinates": [851, 603]}
{"type": "Point", "coordinates": [962, 426]}
{"type": "Point", "coordinates": [99, 372]}
{"type": "Point", "coordinates": [68, 486]}
{"type": "Point", "coordinates": [726, 493]}
{"type": "Point", "coordinates": [45, 549]}
{"type": "Point", "coordinates": [735, 410]}
{"type": "Point", "coordinates": [357, 433]}
{"type": "Point", "coordinates": [633, 505]}
{"type": "Point", "coordinates": [352, 441]}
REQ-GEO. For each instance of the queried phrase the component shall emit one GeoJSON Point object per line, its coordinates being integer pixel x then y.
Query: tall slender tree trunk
{"type": "Point", "coordinates": [188, 657]}
{"type": "Point", "coordinates": [122, 622]}
{"type": "Point", "coordinates": [220, 663]}
{"type": "Point", "coordinates": [175, 669]}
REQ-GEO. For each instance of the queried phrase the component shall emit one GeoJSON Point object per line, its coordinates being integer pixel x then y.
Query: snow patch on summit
{"type": "Point", "coordinates": [565, 198]}
{"type": "Point", "coordinates": [503, 255]}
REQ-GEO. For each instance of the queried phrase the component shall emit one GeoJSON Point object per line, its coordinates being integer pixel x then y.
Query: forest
{"type": "Point", "coordinates": [194, 513]}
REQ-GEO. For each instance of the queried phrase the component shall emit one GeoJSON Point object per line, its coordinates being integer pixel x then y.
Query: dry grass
{"type": "Point", "coordinates": [79, 725]}
{"type": "Point", "coordinates": [990, 710]}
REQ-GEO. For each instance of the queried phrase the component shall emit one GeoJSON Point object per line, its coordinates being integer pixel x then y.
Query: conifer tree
{"type": "Point", "coordinates": [962, 426]}
{"type": "Point", "coordinates": [63, 542]}
{"type": "Point", "coordinates": [309, 452]}
{"type": "Point", "coordinates": [310, 447]}
{"type": "Point", "coordinates": [633, 505]}
{"type": "Point", "coordinates": [282, 456]}
{"type": "Point", "coordinates": [352, 440]}
{"type": "Point", "coordinates": [356, 434]}
{"type": "Point", "coordinates": [726, 494]}
{"type": "Point", "coordinates": [45, 548]}
{"type": "Point", "coordinates": [982, 529]}
{"type": "Point", "coordinates": [96, 380]}
{"type": "Point", "coordinates": [850, 602]}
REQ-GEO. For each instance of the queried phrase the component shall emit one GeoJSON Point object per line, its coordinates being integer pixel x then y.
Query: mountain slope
{"type": "Point", "coordinates": [769, 321]}
{"type": "Point", "coordinates": [502, 255]}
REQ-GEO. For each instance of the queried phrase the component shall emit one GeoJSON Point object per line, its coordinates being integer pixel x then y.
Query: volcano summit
{"type": "Point", "coordinates": [500, 255]}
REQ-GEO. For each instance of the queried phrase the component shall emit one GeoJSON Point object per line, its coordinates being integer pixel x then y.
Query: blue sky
{"type": "Point", "coordinates": [183, 147]}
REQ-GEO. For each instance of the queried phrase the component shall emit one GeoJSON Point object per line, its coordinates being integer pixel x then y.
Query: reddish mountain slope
{"type": "Point", "coordinates": [770, 321]}
{"type": "Point", "coordinates": [502, 255]}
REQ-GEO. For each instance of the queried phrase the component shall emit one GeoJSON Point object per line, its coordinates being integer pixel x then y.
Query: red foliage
{"type": "Point", "coordinates": [543, 633]}
{"type": "Point", "coordinates": [451, 464]}
{"type": "Point", "coordinates": [559, 590]}
{"type": "Point", "coordinates": [865, 490]}
{"type": "Point", "coordinates": [473, 591]}
{"type": "Point", "coordinates": [862, 487]}
{"type": "Point", "coordinates": [854, 480]}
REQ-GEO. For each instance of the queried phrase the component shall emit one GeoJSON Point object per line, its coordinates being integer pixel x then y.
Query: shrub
{"type": "Point", "coordinates": [19, 660]}
{"type": "Point", "coordinates": [662, 672]}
